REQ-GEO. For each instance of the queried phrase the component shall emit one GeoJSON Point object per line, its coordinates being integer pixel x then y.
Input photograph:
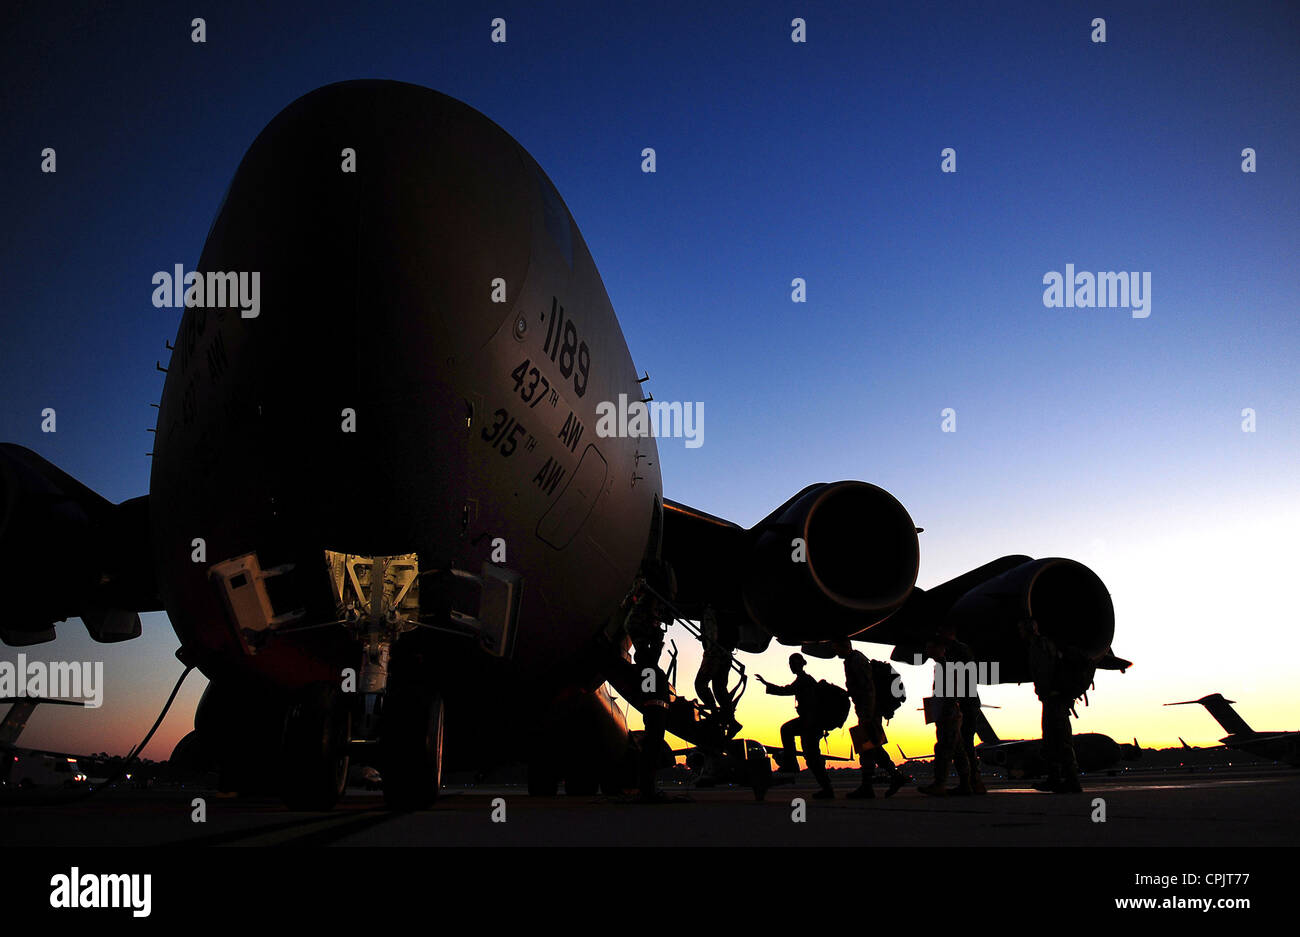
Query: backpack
{"type": "Point", "coordinates": [886, 678]}
{"type": "Point", "coordinates": [1075, 673]}
{"type": "Point", "coordinates": [832, 705]}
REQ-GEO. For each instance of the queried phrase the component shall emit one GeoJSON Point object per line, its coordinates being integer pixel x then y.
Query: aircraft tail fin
{"type": "Point", "coordinates": [1223, 713]}
{"type": "Point", "coordinates": [23, 706]}
{"type": "Point", "coordinates": [15, 721]}
{"type": "Point", "coordinates": [985, 730]}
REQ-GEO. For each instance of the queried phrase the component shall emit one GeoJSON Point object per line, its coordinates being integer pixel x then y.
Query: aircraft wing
{"type": "Point", "coordinates": [919, 759]}
{"type": "Point", "coordinates": [1263, 737]}
{"type": "Point", "coordinates": [705, 552]}
{"type": "Point", "coordinates": [15, 721]}
{"type": "Point", "coordinates": [770, 749]}
{"type": "Point", "coordinates": [777, 749]}
{"type": "Point", "coordinates": [66, 551]}
{"type": "Point", "coordinates": [1008, 746]}
{"type": "Point", "coordinates": [841, 558]}
{"type": "Point", "coordinates": [1009, 753]}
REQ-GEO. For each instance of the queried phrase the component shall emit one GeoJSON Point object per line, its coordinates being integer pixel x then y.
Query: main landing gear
{"type": "Point", "coordinates": [317, 730]}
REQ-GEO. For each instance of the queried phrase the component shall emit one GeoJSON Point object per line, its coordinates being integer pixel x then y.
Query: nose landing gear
{"type": "Point", "coordinates": [392, 721]}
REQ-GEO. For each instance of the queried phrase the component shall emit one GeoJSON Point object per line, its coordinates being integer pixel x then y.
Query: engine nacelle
{"type": "Point", "coordinates": [858, 563]}
{"type": "Point", "coordinates": [1068, 600]}
{"type": "Point", "coordinates": [66, 551]}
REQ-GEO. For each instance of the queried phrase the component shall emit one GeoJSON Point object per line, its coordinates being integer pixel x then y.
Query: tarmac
{"type": "Point", "coordinates": [1250, 806]}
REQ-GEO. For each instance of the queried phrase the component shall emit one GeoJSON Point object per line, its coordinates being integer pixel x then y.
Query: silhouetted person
{"type": "Point", "coordinates": [952, 746]}
{"type": "Point", "coordinates": [1059, 676]}
{"type": "Point", "coordinates": [715, 669]}
{"type": "Point", "coordinates": [965, 688]}
{"type": "Point", "coordinates": [805, 725]}
{"type": "Point", "coordinates": [870, 731]}
{"type": "Point", "coordinates": [650, 611]}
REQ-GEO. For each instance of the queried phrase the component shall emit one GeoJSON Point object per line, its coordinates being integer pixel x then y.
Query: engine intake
{"type": "Point", "coordinates": [1068, 600]}
{"type": "Point", "coordinates": [858, 563]}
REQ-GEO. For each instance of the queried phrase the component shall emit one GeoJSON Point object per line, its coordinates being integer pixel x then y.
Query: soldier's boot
{"type": "Point", "coordinates": [864, 789]}
{"type": "Point", "coordinates": [977, 785]}
{"type": "Point", "coordinates": [1070, 773]}
{"type": "Point", "coordinates": [1049, 784]}
{"type": "Point", "coordinates": [827, 792]}
{"type": "Point", "coordinates": [940, 785]}
{"type": "Point", "coordinates": [895, 782]}
{"type": "Point", "coordinates": [962, 764]}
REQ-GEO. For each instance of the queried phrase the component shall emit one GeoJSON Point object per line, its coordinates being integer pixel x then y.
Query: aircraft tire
{"type": "Point", "coordinates": [315, 749]}
{"type": "Point", "coordinates": [411, 738]}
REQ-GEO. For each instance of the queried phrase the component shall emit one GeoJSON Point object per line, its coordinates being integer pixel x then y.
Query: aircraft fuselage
{"type": "Point", "coordinates": [431, 341]}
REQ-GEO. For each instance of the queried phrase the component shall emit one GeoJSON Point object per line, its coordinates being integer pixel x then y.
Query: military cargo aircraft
{"type": "Point", "coordinates": [1023, 758]}
{"type": "Point", "coordinates": [33, 767]}
{"type": "Point", "coordinates": [381, 518]}
{"type": "Point", "coordinates": [1278, 746]}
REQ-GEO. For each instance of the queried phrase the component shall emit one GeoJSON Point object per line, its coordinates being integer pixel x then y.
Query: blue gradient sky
{"type": "Point", "coordinates": [1081, 432]}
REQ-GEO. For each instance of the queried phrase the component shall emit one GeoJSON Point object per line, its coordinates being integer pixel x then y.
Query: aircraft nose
{"type": "Point", "coordinates": [391, 225]}
{"type": "Point", "coordinates": [386, 223]}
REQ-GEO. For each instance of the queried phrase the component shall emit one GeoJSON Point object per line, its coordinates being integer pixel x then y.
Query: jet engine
{"type": "Point", "coordinates": [66, 551]}
{"type": "Point", "coordinates": [1067, 599]}
{"type": "Point", "coordinates": [985, 606]}
{"type": "Point", "coordinates": [833, 560]}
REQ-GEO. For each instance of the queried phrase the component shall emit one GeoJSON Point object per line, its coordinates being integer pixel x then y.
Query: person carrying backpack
{"type": "Point", "coordinates": [1060, 677]}
{"type": "Point", "coordinates": [869, 734]}
{"type": "Point", "coordinates": [807, 725]}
